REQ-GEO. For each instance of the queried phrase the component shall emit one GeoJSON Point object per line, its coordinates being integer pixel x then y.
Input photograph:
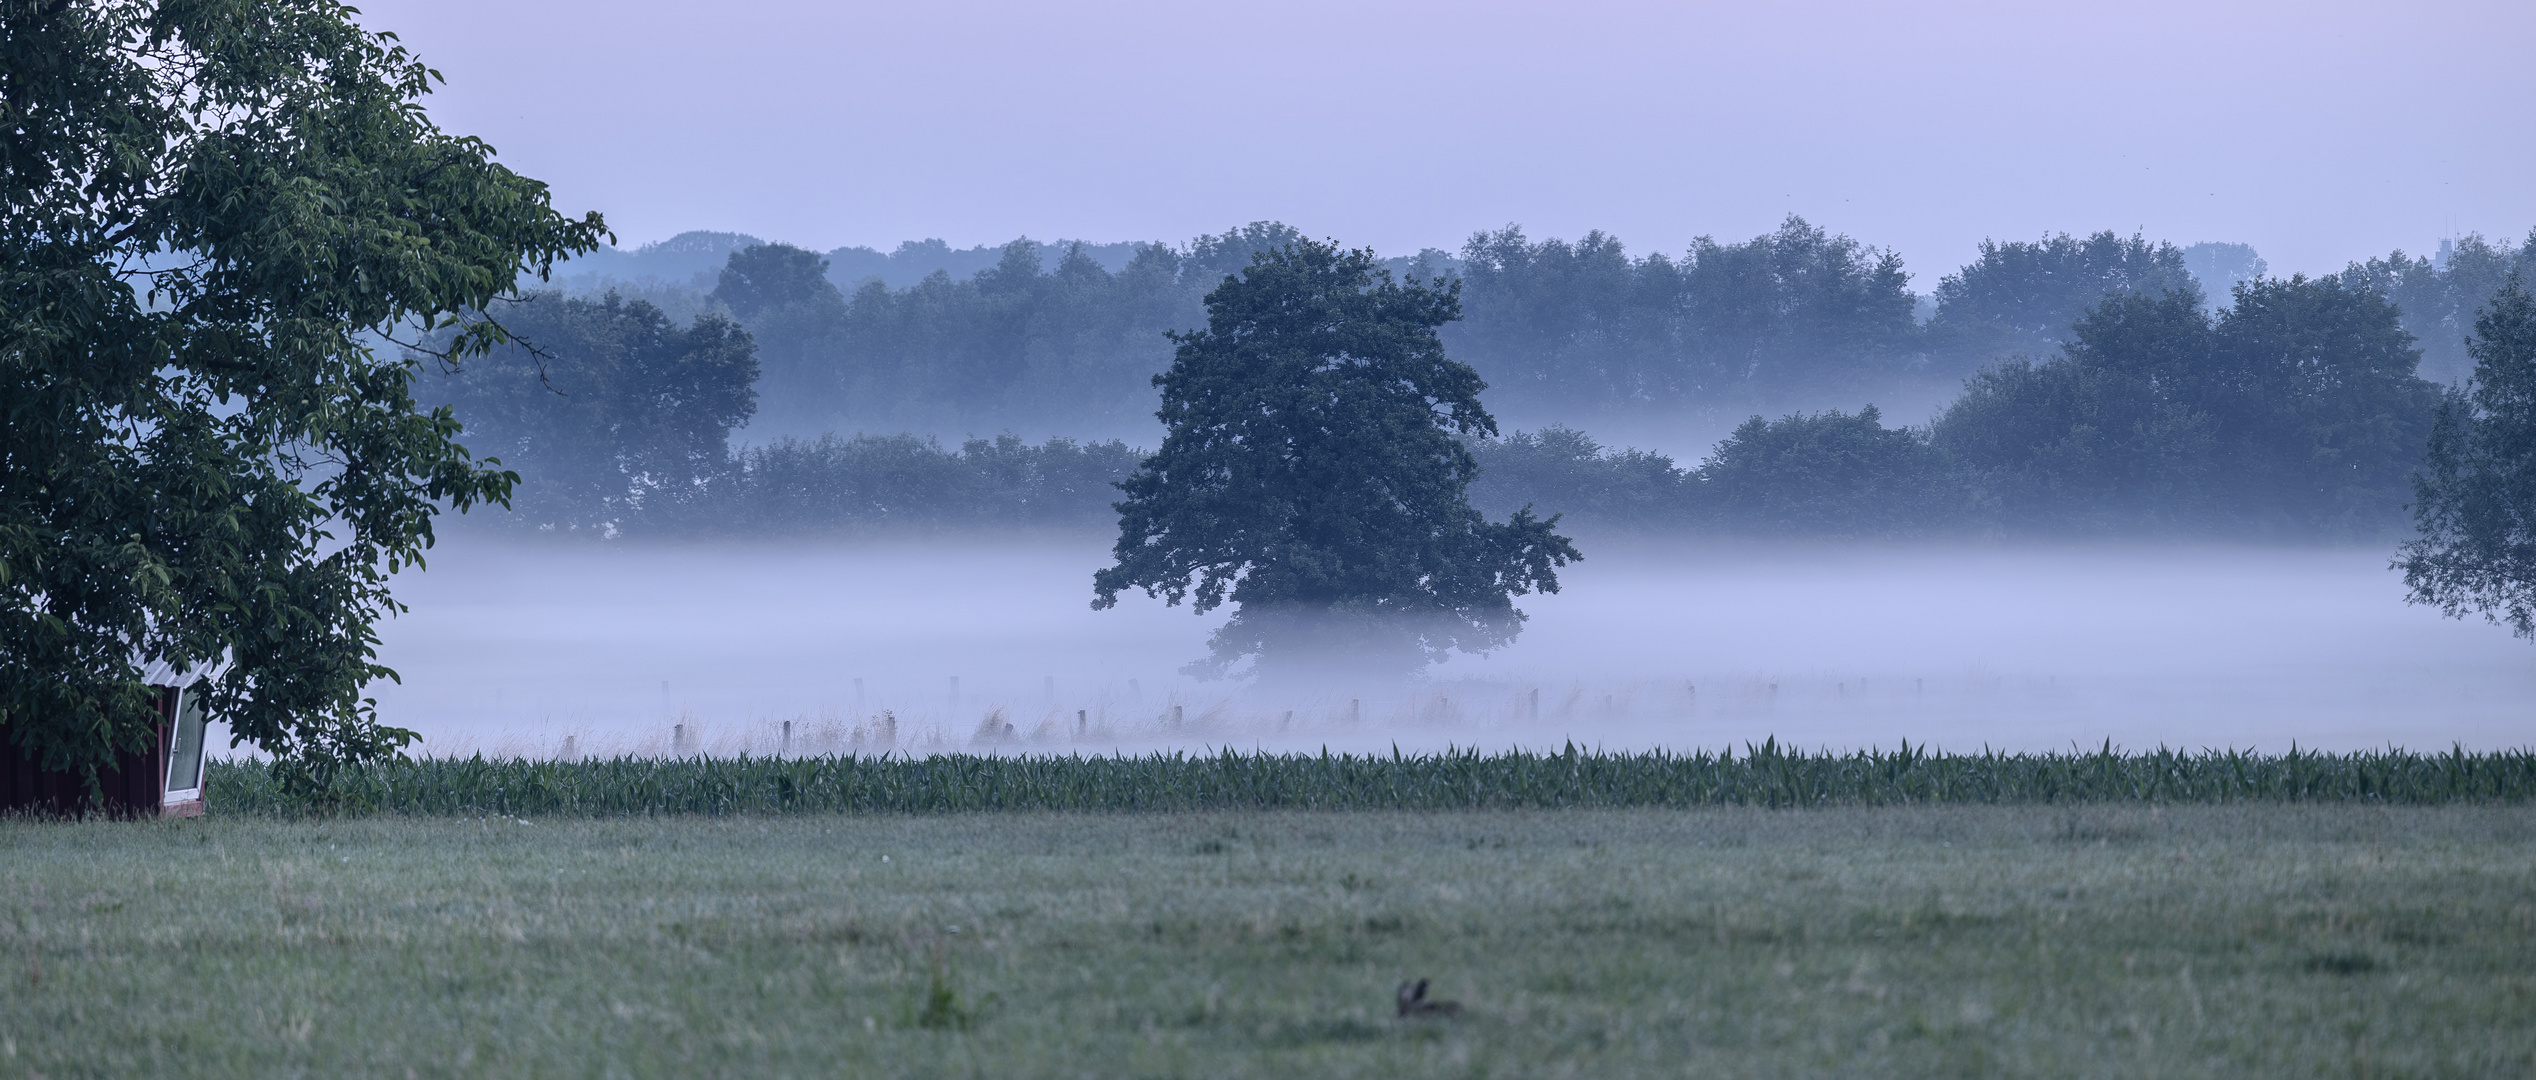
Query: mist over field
{"type": "Point", "coordinates": [513, 647]}
{"type": "Point", "coordinates": [1844, 476]}
{"type": "Point", "coordinates": [2084, 488]}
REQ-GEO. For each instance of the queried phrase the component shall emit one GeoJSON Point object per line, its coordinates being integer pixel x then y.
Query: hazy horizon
{"type": "Point", "coordinates": [2320, 134]}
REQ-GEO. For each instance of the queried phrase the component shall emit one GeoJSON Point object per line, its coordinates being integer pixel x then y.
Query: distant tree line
{"type": "Point", "coordinates": [692, 260]}
{"type": "Point", "coordinates": [1583, 328]}
{"type": "Point", "coordinates": [870, 481]}
{"type": "Point", "coordinates": [2440, 295]}
{"type": "Point", "coordinates": [2294, 412]}
{"type": "Point", "coordinates": [1018, 343]}
{"type": "Point", "coordinates": [607, 407]}
{"type": "Point", "coordinates": [621, 423]}
{"type": "Point", "coordinates": [2289, 407]}
{"type": "Point", "coordinates": [1067, 338]}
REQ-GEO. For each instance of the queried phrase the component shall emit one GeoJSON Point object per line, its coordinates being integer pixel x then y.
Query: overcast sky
{"type": "Point", "coordinates": [2320, 132]}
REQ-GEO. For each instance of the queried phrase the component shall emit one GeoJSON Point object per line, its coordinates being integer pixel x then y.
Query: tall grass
{"type": "Point", "coordinates": [1764, 775]}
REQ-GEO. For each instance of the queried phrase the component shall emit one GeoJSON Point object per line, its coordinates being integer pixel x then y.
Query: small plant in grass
{"type": "Point", "coordinates": [2347, 962]}
{"type": "Point", "coordinates": [940, 1007]}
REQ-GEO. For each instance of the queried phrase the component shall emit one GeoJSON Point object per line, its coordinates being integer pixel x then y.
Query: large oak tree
{"type": "Point", "coordinates": [1310, 474]}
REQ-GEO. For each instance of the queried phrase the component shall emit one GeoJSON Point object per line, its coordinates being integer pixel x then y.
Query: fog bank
{"type": "Point", "coordinates": [513, 648]}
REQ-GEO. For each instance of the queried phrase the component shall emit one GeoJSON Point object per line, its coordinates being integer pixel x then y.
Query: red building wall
{"type": "Point", "coordinates": [134, 787]}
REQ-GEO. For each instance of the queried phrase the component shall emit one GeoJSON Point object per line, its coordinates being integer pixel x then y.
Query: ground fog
{"type": "Point", "coordinates": [580, 649]}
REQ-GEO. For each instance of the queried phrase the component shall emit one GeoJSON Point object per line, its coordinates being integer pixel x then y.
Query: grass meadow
{"type": "Point", "coordinates": [2257, 938]}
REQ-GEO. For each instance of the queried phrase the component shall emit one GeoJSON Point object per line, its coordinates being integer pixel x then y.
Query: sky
{"type": "Point", "coordinates": [2319, 132]}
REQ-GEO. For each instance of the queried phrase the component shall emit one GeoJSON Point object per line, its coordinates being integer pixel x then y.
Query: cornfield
{"type": "Point", "coordinates": [1764, 775]}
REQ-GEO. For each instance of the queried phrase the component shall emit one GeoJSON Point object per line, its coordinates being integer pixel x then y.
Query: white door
{"type": "Point", "coordinates": [185, 750]}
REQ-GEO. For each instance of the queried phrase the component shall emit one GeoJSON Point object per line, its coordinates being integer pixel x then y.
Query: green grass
{"type": "Point", "coordinates": [1765, 775]}
{"type": "Point", "coordinates": [2259, 939]}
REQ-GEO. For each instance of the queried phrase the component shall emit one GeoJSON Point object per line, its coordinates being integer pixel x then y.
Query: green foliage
{"type": "Point", "coordinates": [1833, 475]}
{"type": "Point", "coordinates": [941, 1006]}
{"type": "Point", "coordinates": [2441, 297]}
{"type": "Point", "coordinates": [2110, 438]}
{"type": "Point", "coordinates": [1563, 471]}
{"type": "Point", "coordinates": [1575, 326]}
{"type": "Point", "coordinates": [1764, 775]}
{"type": "Point", "coordinates": [2320, 416]}
{"type": "Point", "coordinates": [2021, 297]}
{"type": "Point", "coordinates": [794, 486]}
{"type": "Point", "coordinates": [1799, 311]}
{"type": "Point", "coordinates": [1563, 331]}
{"type": "Point", "coordinates": [762, 277]}
{"type": "Point", "coordinates": [2294, 413]}
{"type": "Point", "coordinates": [1016, 343]}
{"type": "Point", "coordinates": [794, 316]}
{"type": "Point", "coordinates": [2474, 500]}
{"type": "Point", "coordinates": [1557, 327]}
{"type": "Point", "coordinates": [1310, 475]}
{"type": "Point", "coordinates": [610, 411]}
{"type": "Point", "coordinates": [2219, 267]}
{"type": "Point", "coordinates": [2285, 411]}
{"type": "Point", "coordinates": [207, 205]}
{"type": "Point", "coordinates": [1568, 327]}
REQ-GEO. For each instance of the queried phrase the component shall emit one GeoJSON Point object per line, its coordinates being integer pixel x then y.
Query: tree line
{"type": "Point", "coordinates": [2102, 388]}
{"type": "Point", "coordinates": [1067, 338]}
{"type": "Point", "coordinates": [2292, 412]}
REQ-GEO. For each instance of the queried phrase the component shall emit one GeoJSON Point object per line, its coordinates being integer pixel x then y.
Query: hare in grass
{"type": "Point", "coordinates": [1413, 1002]}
